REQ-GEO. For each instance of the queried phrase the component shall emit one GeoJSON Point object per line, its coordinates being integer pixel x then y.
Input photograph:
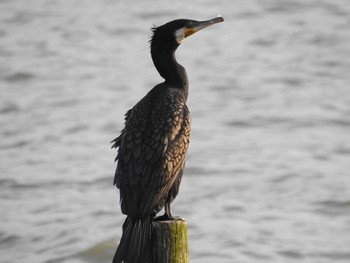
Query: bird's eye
{"type": "Point", "coordinates": [190, 24]}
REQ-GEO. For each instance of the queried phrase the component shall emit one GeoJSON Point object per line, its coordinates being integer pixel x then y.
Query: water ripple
{"type": "Point", "coordinates": [19, 77]}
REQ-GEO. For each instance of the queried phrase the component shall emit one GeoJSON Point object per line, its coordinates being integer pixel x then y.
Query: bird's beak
{"type": "Point", "coordinates": [199, 25]}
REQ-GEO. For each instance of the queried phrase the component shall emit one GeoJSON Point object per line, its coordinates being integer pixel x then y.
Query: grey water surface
{"type": "Point", "coordinates": [268, 170]}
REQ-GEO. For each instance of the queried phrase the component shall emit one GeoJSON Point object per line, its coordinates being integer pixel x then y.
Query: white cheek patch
{"type": "Point", "coordinates": [180, 35]}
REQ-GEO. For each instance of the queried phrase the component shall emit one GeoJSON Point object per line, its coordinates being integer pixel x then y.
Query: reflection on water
{"type": "Point", "coordinates": [267, 171]}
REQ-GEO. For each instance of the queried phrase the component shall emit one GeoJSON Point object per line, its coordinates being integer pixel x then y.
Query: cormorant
{"type": "Point", "coordinates": [153, 144]}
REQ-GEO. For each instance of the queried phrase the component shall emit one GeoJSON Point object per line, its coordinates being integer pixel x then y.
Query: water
{"type": "Point", "coordinates": [267, 176]}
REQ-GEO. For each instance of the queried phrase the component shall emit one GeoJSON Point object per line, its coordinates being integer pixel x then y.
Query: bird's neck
{"type": "Point", "coordinates": [173, 73]}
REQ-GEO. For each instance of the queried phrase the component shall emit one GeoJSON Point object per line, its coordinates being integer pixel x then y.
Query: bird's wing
{"type": "Point", "coordinates": [174, 159]}
{"type": "Point", "coordinates": [151, 153]}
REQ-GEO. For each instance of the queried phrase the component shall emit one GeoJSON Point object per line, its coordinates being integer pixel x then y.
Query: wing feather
{"type": "Point", "coordinates": [152, 150]}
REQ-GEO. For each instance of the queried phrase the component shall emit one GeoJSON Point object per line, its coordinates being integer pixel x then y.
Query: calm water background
{"type": "Point", "coordinates": [268, 170]}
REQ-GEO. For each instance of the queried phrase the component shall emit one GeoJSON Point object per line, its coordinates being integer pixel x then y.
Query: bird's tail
{"type": "Point", "coordinates": [136, 243]}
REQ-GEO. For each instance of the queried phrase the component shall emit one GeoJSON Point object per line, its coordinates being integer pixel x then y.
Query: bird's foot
{"type": "Point", "coordinates": [166, 217]}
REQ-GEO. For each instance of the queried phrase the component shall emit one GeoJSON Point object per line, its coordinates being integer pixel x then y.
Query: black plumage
{"type": "Point", "coordinates": [153, 144]}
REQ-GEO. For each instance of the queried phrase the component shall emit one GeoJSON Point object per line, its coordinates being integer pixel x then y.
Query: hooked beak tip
{"type": "Point", "coordinates": [203, 24]}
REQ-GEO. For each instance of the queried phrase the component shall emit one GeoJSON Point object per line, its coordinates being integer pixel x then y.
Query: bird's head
{"type": "Point", "coordinates": [171, 34]}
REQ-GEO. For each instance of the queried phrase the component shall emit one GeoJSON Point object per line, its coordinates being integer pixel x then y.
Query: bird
{"type": "Point", "coordinates": [153, 144]}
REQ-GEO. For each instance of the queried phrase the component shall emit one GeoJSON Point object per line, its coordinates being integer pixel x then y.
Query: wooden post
{"type": "Point", "coordinates": [170, 243]}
